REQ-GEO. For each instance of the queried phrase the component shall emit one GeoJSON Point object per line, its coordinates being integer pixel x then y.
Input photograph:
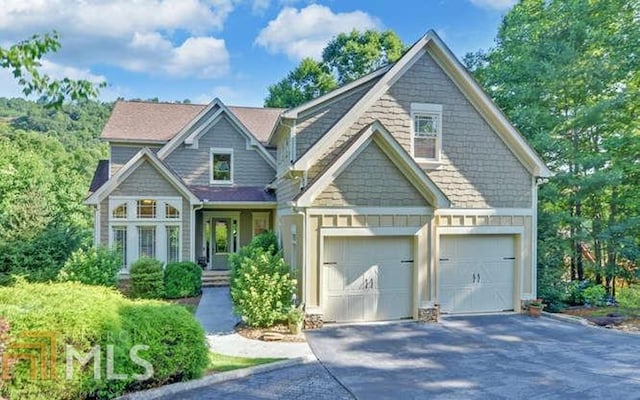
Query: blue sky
{"type": "Point", "coordinates": [232, 49]}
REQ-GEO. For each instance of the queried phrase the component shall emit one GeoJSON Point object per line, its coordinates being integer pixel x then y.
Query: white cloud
{"type": "Point", "coordinates": [305, 32]}
{"type": "Point", "coordinates": [494, 4]}
{"type": "Point", "coordinates": [58, 71]}
{"type": "Point", "coordinates": [141, 35]}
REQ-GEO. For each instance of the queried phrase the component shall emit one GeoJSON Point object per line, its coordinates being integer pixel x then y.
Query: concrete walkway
{"type": "Point", "coordinates": [216, 316]}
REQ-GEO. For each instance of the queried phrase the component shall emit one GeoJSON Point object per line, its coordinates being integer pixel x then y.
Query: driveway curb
{"type": "Point", "coordinates": [179, 387]}
{"type": "Point", "coordinates": [572, 319]}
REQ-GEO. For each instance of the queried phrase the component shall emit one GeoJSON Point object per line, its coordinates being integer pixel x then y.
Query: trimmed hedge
{"type": "Point", "coordinates": [95, 266]}
{"type": "Point", "coordinates": [182, 279]}
{"type": "Point", "coordinates": [147, 279]}
{"type": "Point", "coordinates": [87, 316]}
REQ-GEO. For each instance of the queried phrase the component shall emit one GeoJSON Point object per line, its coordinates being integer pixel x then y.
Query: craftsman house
{"type": "Point", "coordinates": [401, 190]}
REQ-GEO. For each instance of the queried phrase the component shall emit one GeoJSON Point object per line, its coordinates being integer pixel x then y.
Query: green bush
{"type": "Point", "coordinates": [182, 279]}
{"type": "Point", "coordinates": [629, 297]}
{"type": "Point", "coordinates": [95, 266]}
{"type": "Point", "coordinates": [552, 288]}
{"type": "Point", "coordinates": [595, 296]}
{"type": "Point", "coordinates": [89, 316]}
{"type": "Point", "coordinates": [267, 241]}
{"type": "Point", "coordinates": [147, 279]}
{"type": "Point", "coordinates": [261, 286]}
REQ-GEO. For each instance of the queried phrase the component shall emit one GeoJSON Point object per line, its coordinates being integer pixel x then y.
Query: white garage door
{"type": "Point", "coordinates": [367, 278]}
{"type": "Point", "coordinates": [476, 273]}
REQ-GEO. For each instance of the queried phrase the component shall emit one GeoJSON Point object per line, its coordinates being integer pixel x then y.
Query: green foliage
{"type": "Point", "coordinates": [346, 57]}
{"type": "Point", "coordinates": [629, 297]}
{"type": "Point", "coordinates": [552, 288]}
{"type": "Point", "coordinates": [565, 74]}
{"type": "Point", "coordinates": [595, 295]}
{"type": "Point", "coordinates": [307, 81]}
{"type": "Point", "coordinates": [88, 316]}
{"type": "Point", "coordinates": [355, 54]}
{"type": "Point", "coordinates": [95, 266]}
{"type": "Point", "coordinates": [261, 286]}
{"type": "Point", "coordinates": [147, 279]}
{"type": "Point", "coordinates": [295, 315]}
{"type": "Point", "coordinates": [268, 241]}
{"type": "Point", "coordinates": [182, 279]}
{"type": "Point", "coordinates": [23, 61]}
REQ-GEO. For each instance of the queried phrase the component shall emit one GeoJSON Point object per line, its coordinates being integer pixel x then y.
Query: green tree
{"type": "Point", "coordinates": [308, 80]}
{"type": "Point", "coordinates": [345, 58]}
{"type": "Point", "coordinates": [22, 59]}
{"type": "Point", "coordinates": [566, 73]}
{"type": "Point", "coordinates": [350, 56]}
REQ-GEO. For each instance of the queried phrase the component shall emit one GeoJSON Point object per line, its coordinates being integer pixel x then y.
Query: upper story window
{"type": "Point", "coordinates": [426, 131]}
{"type": "Point", "coordinates": [146, 208]}
{"type": "Point", "coordinates": [221, 165]}
{"type": "Point", "coordinates": [120, 211]}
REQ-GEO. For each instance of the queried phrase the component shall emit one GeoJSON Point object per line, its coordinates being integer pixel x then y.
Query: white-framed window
{"type": "Point", "coordinates": [119, 243]}
{"type": "Point", "coordinates": [426, 131]}
{"type": "Point", "coordinates": [221, 166]}
{"type": "Point", "coordinates": [173, 243]}
{"type": "Point", "coordinates": [260, 222]}
{"type": "Point", "coordinates": [120, 211]}
{"type": "Point", "coordinates": [147, 241]}
{"type": "Point", "coordinates": [146, 227]}
{"type": "Point", "coordinates": [146, 208]}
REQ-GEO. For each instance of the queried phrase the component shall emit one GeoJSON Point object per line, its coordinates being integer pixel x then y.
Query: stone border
{"type": "Point", "coordinates": [572, 319]}
{"type": "Point", "coordinates": [179, 387]}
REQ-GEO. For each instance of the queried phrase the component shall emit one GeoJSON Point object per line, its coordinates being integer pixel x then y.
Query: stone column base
{"type": "Point", "coordinates": [429, 314]}
{"type": "Point", "coordinates": [313, 321]}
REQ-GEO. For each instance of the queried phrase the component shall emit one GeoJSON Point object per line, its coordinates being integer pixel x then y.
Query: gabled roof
{"type": "Point", "coordinates": [100, 176]}
{"type": "Point", "coordinates": [151, 122]}
{"type": "Point", "coordinates": [390, 146]}
{"type": "Point", "coordinates": [432, 44]}
{"type": "Point", "coordinates": [123, 173]}
{"type": "Point", "coordinates": [198, 125]}
{"type": "Point", "coordinates": [235, 194]}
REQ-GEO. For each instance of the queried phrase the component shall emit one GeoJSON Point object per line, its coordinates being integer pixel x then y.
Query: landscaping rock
{"type": "Point", "coordinates": [607, 321]}
{"type": "Point", "coordinates": [272, 337]}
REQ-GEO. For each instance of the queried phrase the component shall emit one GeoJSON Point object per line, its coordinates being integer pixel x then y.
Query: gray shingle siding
{"type": "Point", "coordinates": [370, 180]}
{"type": "Point", "coordinates": [192, 165]}
{"type": "Point", "coordinates": [478, 170]}
{"type": "Point", "coordinates": [121, 154]}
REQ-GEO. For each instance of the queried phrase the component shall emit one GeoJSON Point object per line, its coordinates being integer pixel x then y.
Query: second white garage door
{"type": "Point", "coordinates": [476, 273]}
{"type": "Point", "coordinates": [367, 278]}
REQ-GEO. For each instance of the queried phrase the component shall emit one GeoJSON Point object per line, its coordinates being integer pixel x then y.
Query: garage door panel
{"type": "Point", "coordinates": [476, 273]}
{"type": "Point", "coordinates": [373, 282]}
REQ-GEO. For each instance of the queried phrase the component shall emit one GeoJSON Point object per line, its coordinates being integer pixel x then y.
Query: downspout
{"type": "Point", "coordinates": [96, 225]}
{"type": "Point", "coordinates": [193, 230]}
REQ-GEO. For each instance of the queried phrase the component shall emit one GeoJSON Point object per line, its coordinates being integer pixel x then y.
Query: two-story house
{"type": "Point", "coordinates": [401, 190]}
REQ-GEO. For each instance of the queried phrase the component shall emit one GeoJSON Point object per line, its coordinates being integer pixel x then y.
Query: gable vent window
{"type": "Point", "coordinates": [221, 165]}
{"type": "Point", "coordinates": [426, 131]}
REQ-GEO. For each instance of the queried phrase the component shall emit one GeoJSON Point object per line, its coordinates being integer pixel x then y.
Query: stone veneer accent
{"type": "Point", "coordinates": [313, 321]}
{"type": "Point", "coordinates": [429, 314]}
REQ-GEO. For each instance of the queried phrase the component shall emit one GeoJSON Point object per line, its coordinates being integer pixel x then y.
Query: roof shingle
{"type": "Point", "coordinates": [160, 122]}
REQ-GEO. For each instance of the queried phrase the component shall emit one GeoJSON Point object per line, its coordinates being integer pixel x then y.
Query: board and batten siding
{"type": "Point", "coordinates": [147, 182]}
{"type": "Point", "coordinates": [121, 154]}
{"type": "Point", "coordinates": [193, 165]}
{"type": "Point", "coordinates": [477, 168]}
{"type": "Point", "coordinates": [372, 180]}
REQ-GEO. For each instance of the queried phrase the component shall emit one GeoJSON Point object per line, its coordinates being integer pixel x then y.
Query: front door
{"type": "Point", "coordinates": [224, 241]}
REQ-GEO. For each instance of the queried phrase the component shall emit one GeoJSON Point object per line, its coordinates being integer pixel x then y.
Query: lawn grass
{"type": "Point", "coordinates": [221, 363]}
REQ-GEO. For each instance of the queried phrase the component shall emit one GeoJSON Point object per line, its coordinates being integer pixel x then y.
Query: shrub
{"type": "Point", "coordinates": [261, 286]}
{"type": "Point", "coordinates": [88, 316]}
{"type": "Point", "coordinates": [595, 296]}
{"type": "Point", "coordinates": [96, 266]}
{"type": "Point", "coordinates": [183, 279]}
{"type": "Point", "coordinates": [147, 279]}
{"type": "Point", "coordinates": [552, 288]}
{"type": "Point", "coordinates": [575, 292]}
{"type": "Point", "coordinates": [267, 241]}
{"type": "Point", "coordinates": [629, 297]}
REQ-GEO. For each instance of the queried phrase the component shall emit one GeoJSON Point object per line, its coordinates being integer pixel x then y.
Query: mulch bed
{"type": "Point", "coordinates": [611, 320]}
{"type": "Point", "coordinates": [193, 301]}
{"type": "Point", "coordinates": [279, 332]}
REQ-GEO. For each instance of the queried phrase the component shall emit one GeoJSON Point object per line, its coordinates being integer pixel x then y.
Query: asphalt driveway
{"type": "Point", "coordinates": [481, 357]}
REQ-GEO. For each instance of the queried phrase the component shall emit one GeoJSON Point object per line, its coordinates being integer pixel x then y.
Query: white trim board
{"type": "Point", "coordinates": [372, 231]}
{"type": "Point", "coordinates": [372, 211]}
{"type": "Point", "coordinates": [484, 211]}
